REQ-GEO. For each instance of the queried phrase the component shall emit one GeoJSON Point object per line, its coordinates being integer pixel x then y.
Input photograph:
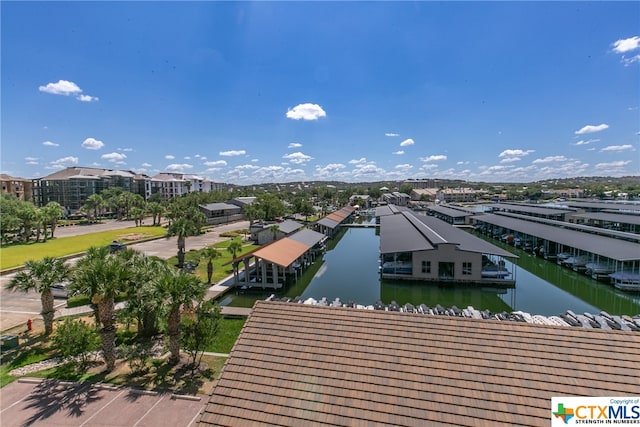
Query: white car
{"type": "Point", "coordinates": [59, 290]}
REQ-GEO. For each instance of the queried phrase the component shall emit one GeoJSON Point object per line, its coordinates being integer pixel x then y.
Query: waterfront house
{"type": "Point", "coordinates": [419, 247]}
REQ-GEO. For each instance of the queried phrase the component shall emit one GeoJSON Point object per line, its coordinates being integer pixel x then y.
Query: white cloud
{"type": "Point", "coordinates": [295, 145]}
{"type": "Point", "coordinates": [92, 144]}
{"type": "Point", "coordinates": [550, 159]}
{"type": "Point", "coordinates": [591, 129]}
{"type": "Point", "coordinates": [630, 60]}
{"type": "Point", "coordinates": [434, 158]}
{"type": "Point", "coordinates": [428, 167]}
{"type": "Point", "coordinates": [254, 160]}
{"type": "Point", "coordinates": [250, 167]}
{"type": "Point", "coordinates": [63, 87]}
{"type": "Point", "coordinates": [360, 161]}
{"type": "Point", "coordinates": [146, 165]}
{"type": "Point", "coordinates": [216, 163]}
{"type": "Point", "coordinates": [404, 167]}
{"type": "Point", "coordinates": [331, 167]}
{"type": "Point", "coordinates": [31, 159]}
{"type": "Point", "coordinates": [50, 144]}
{"type": "Point", "coordinates": [626, 45]}
{"type": "Point", "coordinates": [297, 158]}
{"type": "Point", "coordinates": [67, 88]}
{"type": "Point", "coordinates": [391, 134]}
{"type": "Point", "coordinates": [87, 98]}
{"type": "Point", "coordinates": [65, 161]}
{"type": "Point", "coordinates": [306, 111]}
{"type": "Point", "coordinates": [511, 153]}
{"type": "Point", "coordinates": [232, 153]}
{"type": "Point", "coordinates": [178, 167]}
{"type": "Point", "coordinates": [407, 142]}
{"type": "Point", "coordinates": [114, 157]}
{"type": "Point", "coordinates": [187, 157]}
{"type": "Point", "coordinates": [612, 166]}
{"type": "Point", "coordinates": [626, 147]}
{"type": "Point", "coordinates": [462, 163]}
{"type": "Point", "coordinates": [169, 157]}
{"type": "Point", "coordinates": [399, 152]}
{"type": "Point", "coordinates": [588, 141]}
{"type": "Point", "coordinates": [125, 149]}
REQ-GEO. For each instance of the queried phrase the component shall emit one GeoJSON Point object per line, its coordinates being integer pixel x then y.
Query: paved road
{"type": "Point", "coordinates": [17, 307]}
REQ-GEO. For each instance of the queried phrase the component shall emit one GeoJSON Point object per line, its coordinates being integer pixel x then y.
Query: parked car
{"type": "Point", "coordinates": [117, 246]}
{"type": "Point", "coordinates": [59, 290]}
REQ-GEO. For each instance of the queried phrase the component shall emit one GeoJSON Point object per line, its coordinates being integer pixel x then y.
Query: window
{"type": "Point", "coordinates": [426, 267]}
{"type": "Point", "coordinates": [466, 268]}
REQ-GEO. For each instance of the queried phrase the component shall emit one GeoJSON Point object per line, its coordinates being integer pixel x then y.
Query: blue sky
{"type": "Point", "coordinates": [245, 92]}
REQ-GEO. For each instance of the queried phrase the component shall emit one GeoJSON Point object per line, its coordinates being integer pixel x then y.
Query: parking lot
{"type": "Point", "coordinates": [36, 402]}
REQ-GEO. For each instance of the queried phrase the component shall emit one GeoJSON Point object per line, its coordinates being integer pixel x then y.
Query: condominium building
{"type": "Point", "coordinates": [173, 184]}
{"type": "Point", "coordinates": [19, 187]}
{"type": "Point", "coordinates": [72, 186]}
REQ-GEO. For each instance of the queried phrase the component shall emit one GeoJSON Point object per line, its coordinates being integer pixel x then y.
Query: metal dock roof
{"type": "Point", "coordinates": [609, 247]}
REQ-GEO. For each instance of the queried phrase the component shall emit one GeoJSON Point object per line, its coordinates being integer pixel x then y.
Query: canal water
{"type": "Point", "coordinates": [349, 271]}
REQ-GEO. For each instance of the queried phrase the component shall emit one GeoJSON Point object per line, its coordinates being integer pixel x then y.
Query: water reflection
{"type": "Point", "coordinates": [349, 271]}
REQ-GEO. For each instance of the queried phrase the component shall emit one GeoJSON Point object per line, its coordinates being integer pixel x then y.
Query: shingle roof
{"type": "Point", "coordinates": [282, 252]}
{"type": "Point", "coordinates": [295, 364]}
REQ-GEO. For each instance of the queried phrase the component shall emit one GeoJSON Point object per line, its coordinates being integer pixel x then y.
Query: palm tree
{"type": "Point", "coordinates": [187, 224]}
{"type": "Point", "coordinates": [156, 210]}
{"type": "Point", "coordinates": [51, 213]}
{"type": "Point", "coordinates": [95, 202]}
{"type": "Point", "coordinates": [177, 289]}
{"type": "Point", "coordinates": [143, 303]}
{"type": "Point", "coordinates": [234, 247]}
{"type": "Point", "coordinates": [101, 275]}
{"type": "Point", "coordinates": [210, 253]}
{"type": "Point", "coordinates": [40, 276]}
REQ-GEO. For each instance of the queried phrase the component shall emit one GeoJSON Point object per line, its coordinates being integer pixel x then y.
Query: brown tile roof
{"type": "Point", "coordinates": [295, 364]}
{"type": "Point", "coordinates": [282, 252]}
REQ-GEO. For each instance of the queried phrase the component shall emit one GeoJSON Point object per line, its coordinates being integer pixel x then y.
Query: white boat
{"type": "Point", "coordinates": [599, 270]}
{"type": "Point", "coordinates": [397, 267]}
{"type": "Point", "coordinates": [626, 281]}
{"type": "Point", "coordinates": [495, 271]}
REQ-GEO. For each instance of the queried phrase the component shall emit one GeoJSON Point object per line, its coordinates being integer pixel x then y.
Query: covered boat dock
{"type": "Point", "coordinates": [269, 266]}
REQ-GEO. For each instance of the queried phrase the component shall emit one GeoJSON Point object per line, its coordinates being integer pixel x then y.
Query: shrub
{"type": "Point", "coordinates": [75, 339]}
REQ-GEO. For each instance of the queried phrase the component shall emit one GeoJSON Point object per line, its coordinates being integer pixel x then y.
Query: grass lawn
{"type": "Point", "coordinates": [228, 335]}
{"type": "Point", "coordinates": [220, 267]}
{"type": "Point", "coordinates": [16, 255]}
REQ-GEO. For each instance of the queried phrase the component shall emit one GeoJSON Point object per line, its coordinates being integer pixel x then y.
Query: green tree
{"type": "Point", "coordinates": [39, 276]}
{"type": "Point", "coordinates": [51, 213]}
{"type": "Point", "coordinates": [28, 215]}
{"type": "Point", "coordinates": [178, 289]}
{"type": "Point", "coordinates": [102, 275]}
{"type": "Point", "coordinates": [156, 210]}
{"type": "Point", "coordinates": [95, 203]}
{"type": "Point", "coordinates": [270, 205]}
{"type": "Point", "coordinates": [143, 303]}
{"type": "Point", "coordinates": [187, 224]}
{"type": "Point", "coordinates": [137, 214]}
{"type": "Point", "coordinates": [234, 247]}
{"type": "Point", "coordinates": [210, 253]}
{"type": "Point", "coordinates": [200, 330]}
{"type": "Point", "coordinates": [75, 339]}
{"type": "Point", "coordinates": [252, 212]}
